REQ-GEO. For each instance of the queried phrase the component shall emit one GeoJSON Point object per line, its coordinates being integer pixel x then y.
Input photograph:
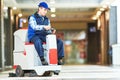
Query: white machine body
{"type": "Point", "coordinates": [26, 56]}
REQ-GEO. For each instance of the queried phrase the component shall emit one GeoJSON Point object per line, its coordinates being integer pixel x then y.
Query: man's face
{"type": "Point", "coordinates": [42, 11]}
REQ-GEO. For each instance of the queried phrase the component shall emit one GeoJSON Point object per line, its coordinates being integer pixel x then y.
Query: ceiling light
{"type": "Point", "coordinates": [20, 14]}
{"type": "Point", "coordinates": [98, 13]}
{"type": "Point", "coordinates": [53, 9]}
{"type": "Point", "coordinates": [53, 15]}
{"type": "Point", "coordinates": [102, 9]}
{"type": "Point", "coordinates": [24, 20]}
{"type": "Point", "coordinates": [94, 17]}
{"type": "Point", "coordinates": [14, 8]}
{"type": "Point", "coordinates": [5, 8]}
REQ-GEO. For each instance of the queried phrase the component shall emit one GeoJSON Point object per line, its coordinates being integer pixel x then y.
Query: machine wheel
{"type": "Point", "coordinates": [48, 73]}
{"type": "Point", "coordinates": [19, 72]}
{"type": "Point", "coordinates": [56, 72]}
{"type": "Point", "coordinates": [32, 74]}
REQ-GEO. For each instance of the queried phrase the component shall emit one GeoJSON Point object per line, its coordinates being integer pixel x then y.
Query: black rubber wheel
{"type": "Point", "coordinates": [32, 74]}
{"type": "Point", "coordinates": [19, 72]}
{"type": "Point", "coordinates": [48, 73]}
{"type": "Point", "coordinates": [12, 75]}
{"type": "Point", "coordinates": [56, 72]}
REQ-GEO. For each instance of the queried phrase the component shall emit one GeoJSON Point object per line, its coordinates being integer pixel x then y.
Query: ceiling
{"type": "Point", "coordinates": [66, 10]}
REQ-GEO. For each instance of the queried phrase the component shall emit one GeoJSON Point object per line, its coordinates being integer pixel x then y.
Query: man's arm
{"type": "Point", "coordinates": [48, 26]}
{"type": "Point", "coordinates": [34, 25]}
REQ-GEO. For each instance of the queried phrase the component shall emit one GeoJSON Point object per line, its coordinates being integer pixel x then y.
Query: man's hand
{"type": "Point", "coordinates": [47, 27]}
{"type": "Point", "coordinates": [54, 31]}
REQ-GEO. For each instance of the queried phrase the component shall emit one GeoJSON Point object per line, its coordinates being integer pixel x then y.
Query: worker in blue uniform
{"type": "Point", "coordinates": [38, 24]}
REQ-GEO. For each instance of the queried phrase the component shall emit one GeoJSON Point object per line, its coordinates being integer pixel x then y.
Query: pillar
{"type": "Point", "coordinates": [118, 24]}
{"type": "Point", "coordinates": [2, 49]}
{"type": "Point", "coordinates": [113, 25]}
{"type": "Point", "coordinates": [8, 28]}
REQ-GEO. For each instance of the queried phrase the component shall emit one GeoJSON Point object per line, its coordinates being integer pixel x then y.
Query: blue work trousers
{"type": "Point", "coordinates": [38, 40]}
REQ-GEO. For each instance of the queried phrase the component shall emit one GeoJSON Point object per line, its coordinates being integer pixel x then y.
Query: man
{"type": "Point", "coordinates": [38, 23]}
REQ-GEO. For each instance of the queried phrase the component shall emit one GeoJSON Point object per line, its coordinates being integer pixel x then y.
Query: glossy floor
{"type": "Point", "coordinates": [75, 72]}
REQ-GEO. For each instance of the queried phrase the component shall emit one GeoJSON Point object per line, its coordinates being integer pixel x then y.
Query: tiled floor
{"type": "Point", "coordinates": [75, 72]}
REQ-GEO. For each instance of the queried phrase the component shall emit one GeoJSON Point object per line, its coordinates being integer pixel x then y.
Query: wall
{"type": "Point", "coordinates": [73, 25]}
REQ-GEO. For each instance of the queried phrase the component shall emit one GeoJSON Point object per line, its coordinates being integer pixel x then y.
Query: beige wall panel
{"type": "Point", "coordinates": [69, 25]}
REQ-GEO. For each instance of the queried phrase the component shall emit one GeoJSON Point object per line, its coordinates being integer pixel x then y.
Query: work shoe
{"type": "Point", "coordinates": [44, 62]}
{"type": "Point", "coordinates": [60, 62]}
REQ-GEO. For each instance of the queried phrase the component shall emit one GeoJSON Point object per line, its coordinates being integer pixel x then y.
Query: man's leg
{"type": "Point", "coordinates": [39, 48]}
{"type": "Point", "coordinates": [60, 50]}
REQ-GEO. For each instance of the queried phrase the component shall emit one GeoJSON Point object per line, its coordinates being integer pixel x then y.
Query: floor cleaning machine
{"type": "Point", "coordinates": [26, 59]}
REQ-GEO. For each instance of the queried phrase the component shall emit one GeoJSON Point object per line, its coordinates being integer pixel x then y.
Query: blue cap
{"type": "Point", "coordinates": [44, 4]}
